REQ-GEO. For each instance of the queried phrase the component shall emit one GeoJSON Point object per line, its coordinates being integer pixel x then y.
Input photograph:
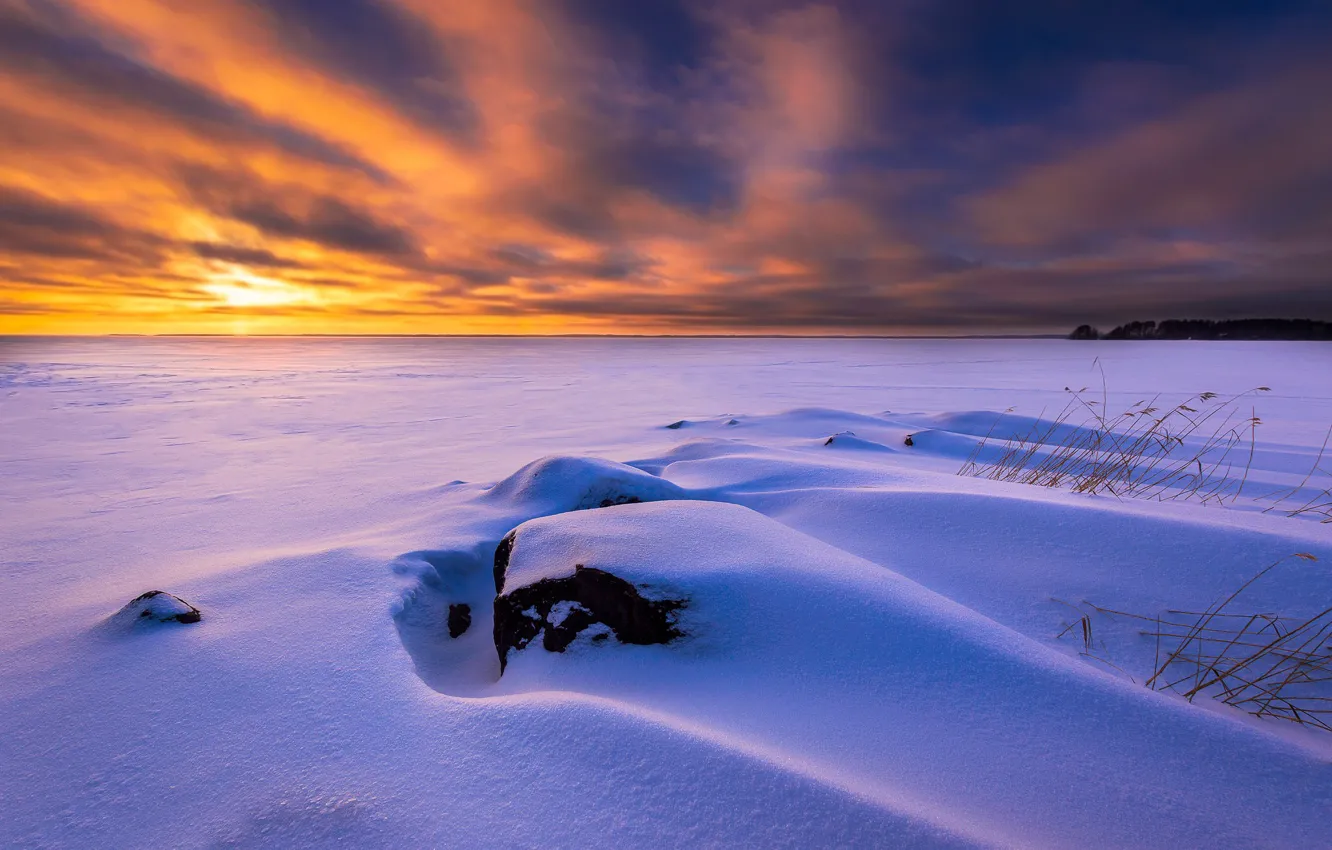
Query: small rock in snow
{"type": "Point", "coordinates": [157, 606]}
{"type": "Point", "coordinates": [460, 618]}
{"type": "Point", "coordinates": [830, 440]}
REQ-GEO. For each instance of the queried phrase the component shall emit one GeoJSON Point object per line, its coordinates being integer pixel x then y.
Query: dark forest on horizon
{"type": "Point", "coordinates": [1248, 329]}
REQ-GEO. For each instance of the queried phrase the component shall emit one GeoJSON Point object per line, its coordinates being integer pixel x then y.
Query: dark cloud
{"type": "Point", "coordinates": [243, 256]}
{"type": "Point", "coordinates": [609, 151]}
{"type": "Point", "coordinates": [637, 123]}
{"type": "Point", "coordinates": [33, 225]}
{"type": "Point", "coordinates": [585, 214]}
{"type": "Point", "coordinates": [1023, 60]}
{"type": "Point", "coordinates": [678, 172]}
{"type": "Point", "coordinates": [981, 298]}
{"type": "Point", "coordinates": [385, 48]}
{"type": "Point", "coordinates": [661, 37]}
{"type": "Point", "coordinates": [29, 211]}
{"type": "Point", "coordinates": [291, 213]}
{"type": "Point", "coordinates": [329, 222]}
{"type": "Point", "coordinates": [531, 261]}
{"type": "Point", "coordinates": [1250, 163]}
{"type": "Point", "coordinates": [473, 276]}
{"type": "Point", "coordinates": [83, 67]}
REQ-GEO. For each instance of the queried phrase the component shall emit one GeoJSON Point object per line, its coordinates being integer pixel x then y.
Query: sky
{"type": "Point", "coordinates": [661, 166]}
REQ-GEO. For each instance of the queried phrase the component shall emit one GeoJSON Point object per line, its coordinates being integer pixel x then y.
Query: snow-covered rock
{"type": "Point", "coordinates": [560, 608]}
{"type": "Point", "coordinates": [157, 606]}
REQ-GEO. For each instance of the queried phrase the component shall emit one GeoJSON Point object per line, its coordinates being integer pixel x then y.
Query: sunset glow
{"type": "Point", "coordinates": [246, 290]}
{"type": "Point", "coordinates": [534, 166]}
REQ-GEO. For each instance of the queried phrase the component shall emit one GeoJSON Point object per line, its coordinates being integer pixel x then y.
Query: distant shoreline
{"type": "Point", "coordinates": [1226, 330]}
{"type": "Point", "coordinates": [531, 336]}
{"type": "Point", "coordinates": [1076, 335]}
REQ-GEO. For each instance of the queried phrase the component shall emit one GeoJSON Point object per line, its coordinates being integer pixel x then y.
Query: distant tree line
{"type": "Point", "coordinates": [1292, 329]}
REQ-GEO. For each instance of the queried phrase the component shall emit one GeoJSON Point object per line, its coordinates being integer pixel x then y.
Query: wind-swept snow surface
{"type": "Point", "coordinates": [860, 647]}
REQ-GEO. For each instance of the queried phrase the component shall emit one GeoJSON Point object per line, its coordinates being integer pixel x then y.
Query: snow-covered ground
{"type": "Point", "coordinates": [868, 649]}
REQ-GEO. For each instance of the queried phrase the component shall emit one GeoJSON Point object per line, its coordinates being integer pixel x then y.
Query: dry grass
{"type": "Point", "coordinates": [1261, 662]}
{"type": "Point", "coordinates": [1199, 450]}
{"type": "Point", "coordinates": [1288, 501]}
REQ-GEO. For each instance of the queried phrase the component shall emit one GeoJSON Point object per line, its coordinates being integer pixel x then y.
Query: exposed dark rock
{"type": "Point", "coordinates": [160, 607]}
{"type": "Point", "coordinates": [502, 552]}
{"type": "Point", "coordinates": [675, 426]}
{"type": "Point", "coordinates": [908, 441]}
{"type": "Point", "coordinates": [587, 597]}
{"type": "Point", "coordinates": [460, 618]}
{"type": "Point", "coordinates": [620, 500]}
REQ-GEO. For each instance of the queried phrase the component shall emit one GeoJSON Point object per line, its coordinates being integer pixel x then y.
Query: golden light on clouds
{"type": "Point", "coordinates": [516, 166]}
{"type": "Point", "coordinates": [242, 289]}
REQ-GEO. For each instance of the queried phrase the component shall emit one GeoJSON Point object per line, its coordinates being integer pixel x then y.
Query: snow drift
{"type": "Point", "coordinates": [864, 647]}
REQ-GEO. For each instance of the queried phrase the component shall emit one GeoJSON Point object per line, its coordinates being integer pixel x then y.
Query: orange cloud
{"type": "Point", "coordinates": [532, 166]}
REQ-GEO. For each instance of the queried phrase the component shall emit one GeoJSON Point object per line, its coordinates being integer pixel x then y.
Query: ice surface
{"type": "Point", "coordinates": [870, 655]}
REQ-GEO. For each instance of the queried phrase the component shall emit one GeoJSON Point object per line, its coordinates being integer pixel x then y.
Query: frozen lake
{"type": "Point", "coordinates": [142, 451]}
{"type": "Point", "coordinates": [243, 472]}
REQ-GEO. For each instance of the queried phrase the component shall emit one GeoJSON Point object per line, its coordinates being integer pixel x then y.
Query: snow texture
{"type": "Point", "coordinates": [868, 653]}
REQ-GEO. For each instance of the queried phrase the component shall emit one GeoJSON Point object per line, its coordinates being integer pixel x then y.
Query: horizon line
{"type": "Point", "coordinates": [520, 336]}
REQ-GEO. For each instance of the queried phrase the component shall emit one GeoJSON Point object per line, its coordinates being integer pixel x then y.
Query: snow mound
{"type": "Point", "coordinates": [154, 607]}
{"type": "Point", "coordinates": [815, 696]}
{"type": "Point", "coordinates": [999, 425]}
{"type": "Point", "coordinates": [848, 440]}
{"type": "Point", "coordinates": [874, 683]}
{"type": "Point", "coordinates": [558, 484]}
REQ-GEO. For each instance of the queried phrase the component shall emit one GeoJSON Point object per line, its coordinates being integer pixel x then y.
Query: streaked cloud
{"type": "Point", "coordinates": [589, 165]}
